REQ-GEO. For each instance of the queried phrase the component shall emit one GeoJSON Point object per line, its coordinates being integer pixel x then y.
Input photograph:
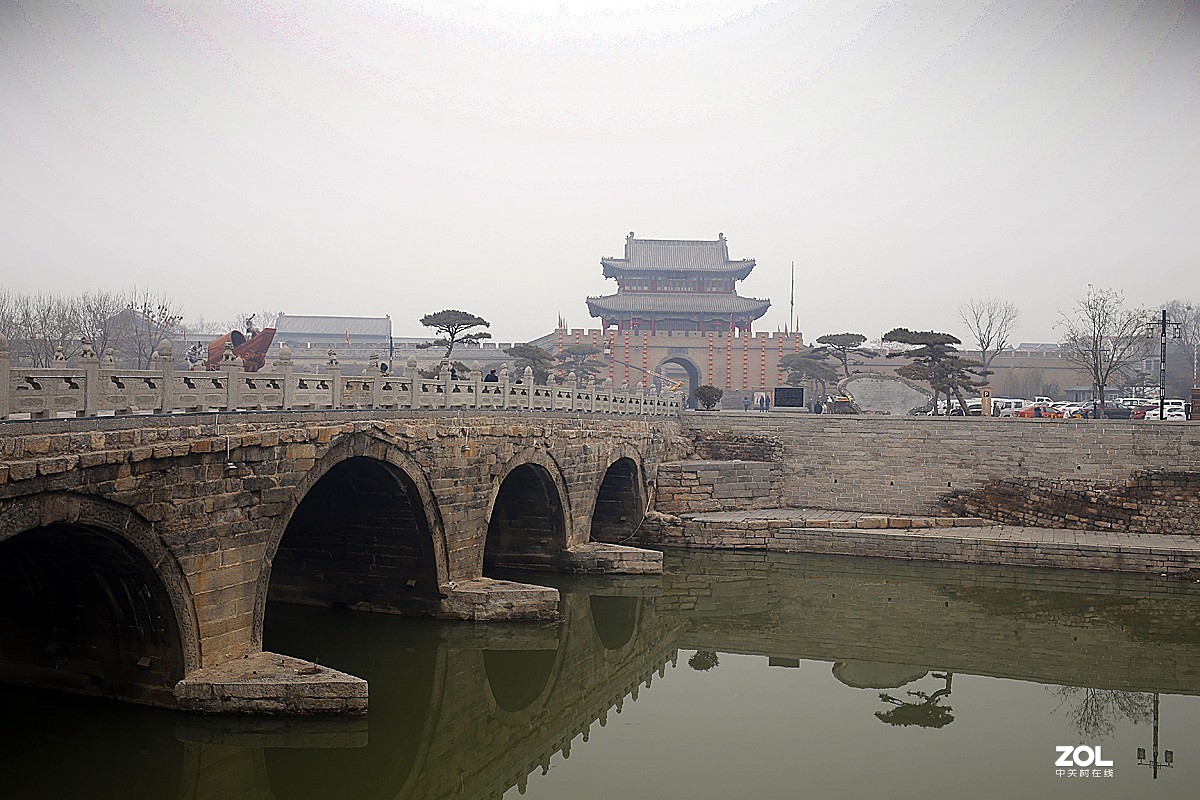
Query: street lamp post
{"type": "Point", "coordinates": [1168, 759]}
{"type": "Point", "coordinates": [1175, 329]}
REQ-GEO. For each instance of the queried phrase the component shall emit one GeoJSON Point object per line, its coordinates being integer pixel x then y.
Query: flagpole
{"type": "Point", "coordinates": [792, 309]}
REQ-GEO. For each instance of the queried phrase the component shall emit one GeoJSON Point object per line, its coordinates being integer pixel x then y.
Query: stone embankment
{"type": "Point", "coordinates": [1093, 495]}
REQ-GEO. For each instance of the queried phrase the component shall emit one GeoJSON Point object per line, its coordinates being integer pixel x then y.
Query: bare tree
{"type": "Point", "coordinates": [1103, 338]}
{"type": "Point", "coordinates": [991, 323]}
{"type": "Point", "coordinates": [102, 320]}
{"type": "Point", "coordinates": [43, 326]}
{"type": "Point", "coordinates": [1181, 373]}
{"type": "Point", "coordinates": [1094, 713]}
{"type": "Point", "coordinates": [152, 317]}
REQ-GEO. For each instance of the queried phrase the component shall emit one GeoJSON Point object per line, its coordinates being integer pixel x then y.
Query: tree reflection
{"type": "Point", "coordinates": [1094, 713]}
{"type": "Point", "coordinates": [928, 713]}
{"type": "Point", "coordinates": [703, 660]}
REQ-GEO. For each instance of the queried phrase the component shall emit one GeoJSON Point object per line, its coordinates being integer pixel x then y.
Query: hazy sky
{"type": "Point", "coordinates": [401, 157]}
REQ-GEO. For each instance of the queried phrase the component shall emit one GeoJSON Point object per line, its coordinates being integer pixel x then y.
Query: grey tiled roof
{"type": "Point", "coordinates": [312, 325]}
{"type": "Point", "coordinates": [681, 302]}
{"type": "Point", "coordinates": [676, 255]}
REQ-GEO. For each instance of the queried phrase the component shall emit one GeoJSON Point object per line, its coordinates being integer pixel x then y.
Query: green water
{"type": "Point", "coordinates": [729, 676]}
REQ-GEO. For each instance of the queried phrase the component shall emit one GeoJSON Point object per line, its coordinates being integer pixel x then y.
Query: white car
{"type": "Point", "coordinates": [1168, 413]}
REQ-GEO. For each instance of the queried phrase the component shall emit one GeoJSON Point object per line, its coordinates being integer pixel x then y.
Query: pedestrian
{"type": "Point", "coordinates": [818, 407]}
{"type": "Point", "coordinates": [491, 377]}
{"type": "Point", "coordinates": [746, 403]}
{"type": "Point", "coordinates": [766, 402]}
{"type": "Point", "coordinates": [453, 374]}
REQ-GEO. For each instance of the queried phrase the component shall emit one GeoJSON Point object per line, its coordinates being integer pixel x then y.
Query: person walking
{"type": "Point", "coordinates": [746, 403]}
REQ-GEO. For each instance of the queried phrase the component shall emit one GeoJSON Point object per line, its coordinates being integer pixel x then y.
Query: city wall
{"type": "Point", "coordinates": [924, 465]}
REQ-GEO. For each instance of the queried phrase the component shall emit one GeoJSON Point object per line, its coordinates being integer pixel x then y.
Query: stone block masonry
{"type": "Point", "coordinates": [1148, 502]}
{"type": "Point", "coordinates": [210, 516]}
{"type": "Point", "coordinates": [698, 486]}
{"type": "Point", "coordinates": [908, 465]}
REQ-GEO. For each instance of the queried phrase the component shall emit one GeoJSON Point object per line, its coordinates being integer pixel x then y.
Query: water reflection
{"type": "Point", "coordinates": [927, 713]}
{"type": "Point", "coordinates": [461, 710]}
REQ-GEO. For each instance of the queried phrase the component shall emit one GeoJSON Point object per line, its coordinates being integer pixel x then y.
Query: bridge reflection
{"type": "Point", "coordinates": [473, 710]}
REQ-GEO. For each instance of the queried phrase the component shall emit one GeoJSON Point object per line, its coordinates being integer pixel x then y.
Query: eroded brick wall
{"type": "Point", "coordinates": [1149, 502]}
{"type": "Point", "coordinates": [907, 465]}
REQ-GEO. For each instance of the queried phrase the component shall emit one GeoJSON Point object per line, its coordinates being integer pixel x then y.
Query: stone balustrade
{"type": "Point", "coordinates": [90, 385]}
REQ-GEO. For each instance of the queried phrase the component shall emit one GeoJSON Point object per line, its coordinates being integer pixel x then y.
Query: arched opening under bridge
{"type": "Point", "coordinates": [527, 527]}
{"type": "Point", "coordinates": [359, 539]}
{"type": "Point", "coordinates": [620, 505]}
{"type": "Point", "coordinates": [82, 610]}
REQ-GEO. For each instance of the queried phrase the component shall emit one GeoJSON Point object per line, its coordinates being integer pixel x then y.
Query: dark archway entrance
{"type": "Point", "coordinates": [83, 611]}
{"type": "Point", "coordinates": [681, 369]}
{"type": "Point", "coordinates": [359, 539]}
{"type": "Point", "coordinates": [527, 528]}
{"type": "Point", "coordinates": [619, 504]}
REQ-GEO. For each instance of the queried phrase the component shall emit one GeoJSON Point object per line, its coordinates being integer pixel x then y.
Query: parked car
{"type": "Point", "coordinates": [1007, 406]}
{"type": "Point", "coordinates": [1168, 413]}
{"type": "Point", "coordinates": [1139, 411]}
{"type": "Point", "coordinates": [1040, 411]}
{"type": "Point", "coordinates": [1111, 411]}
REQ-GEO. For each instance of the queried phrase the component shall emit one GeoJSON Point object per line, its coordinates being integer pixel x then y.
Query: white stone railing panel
{"type": "Point", "coordinates": [90, 387]}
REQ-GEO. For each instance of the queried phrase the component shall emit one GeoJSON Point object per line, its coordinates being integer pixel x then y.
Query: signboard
{"type": "Point", "coordinates": [789, 397]}
{"type": "Point", "coordinates": [985, 397]}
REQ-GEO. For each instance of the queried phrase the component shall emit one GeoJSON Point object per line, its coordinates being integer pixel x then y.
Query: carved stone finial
{"type": "Point", "coordinates": [572, 377]}
{"type": "Point", "coordinates": [528, 374]}
{"type": "Point", "coordinates": [87, 352]}
{"type": "Point", "coordinates": [411, 363]}
{"type": "Point", "coordinates": [58, 354]}
{"type": "Point", "coordinates": [332, 358]}
{"type": "Point", "coordinates": [228, 357]}
{"type": "Point", "coordinates": [504, 372]}
{"type": "Point", "coordinates": [164, 348]}
{"type": "Point", "coordinates": [285, 354]}
{"type": "Point", "coordinates": [109, 357]}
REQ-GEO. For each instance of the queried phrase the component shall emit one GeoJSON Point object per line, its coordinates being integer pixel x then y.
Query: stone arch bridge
{"type": "Point", "coordinates": [138, 554]}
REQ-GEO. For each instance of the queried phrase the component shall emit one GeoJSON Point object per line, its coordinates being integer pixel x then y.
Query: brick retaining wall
{"type": "Point", "coordinates": [908, 465]}
{"type": "Point", "coordinates": [698, 486]}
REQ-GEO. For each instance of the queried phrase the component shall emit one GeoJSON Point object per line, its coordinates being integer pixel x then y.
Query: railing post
{"type": "Point", "coordinates": [573, 387]}
{"type": "Point", "coordinates": [504, 386]}
{"type": "Point", "coordinates": [414, 382]}
{"type": "Point", "coordinates": [284, 367]}
{"type": "Point", "coordinates": [5, 378]}
{"type": "Point", "coordinates": [476, 377]}
{"type": "Point", "coordinates": [552, 386]}
{"type": "Point", "coordinates": [164, 360]}
{"type": "Point", "coordinates": [591, 390]}
{"type": "Point", "coordinates": [376, 379]}
{"type": "Point", "coordinates": [335, 379]}
{"type": "Point", "coordinates": [528, 378]}
{"type": "Point", "coordinates": [231, 370]}
{"type": "Point", "coordinates": [447, 382]}
{"type": "Point", "coordinates": [91, 377]}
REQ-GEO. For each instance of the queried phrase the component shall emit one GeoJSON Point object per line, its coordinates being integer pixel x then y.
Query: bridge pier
{"type": "Point", "coordinates": [488, 600]}
{"type": "Point", "coordinates": [613, 559]}
{"type": "Point", "coordinates": [269, 683]}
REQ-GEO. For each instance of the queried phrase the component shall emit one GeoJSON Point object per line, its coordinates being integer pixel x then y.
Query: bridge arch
{"type": "Point", "coordinates": [92, 601]}
{"type": "Point", "coordinates": [619, 499]}
{"type": "Point", "coordinates": [529, 516]}
{"type": "Point", "coordinates": [387, 552]}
